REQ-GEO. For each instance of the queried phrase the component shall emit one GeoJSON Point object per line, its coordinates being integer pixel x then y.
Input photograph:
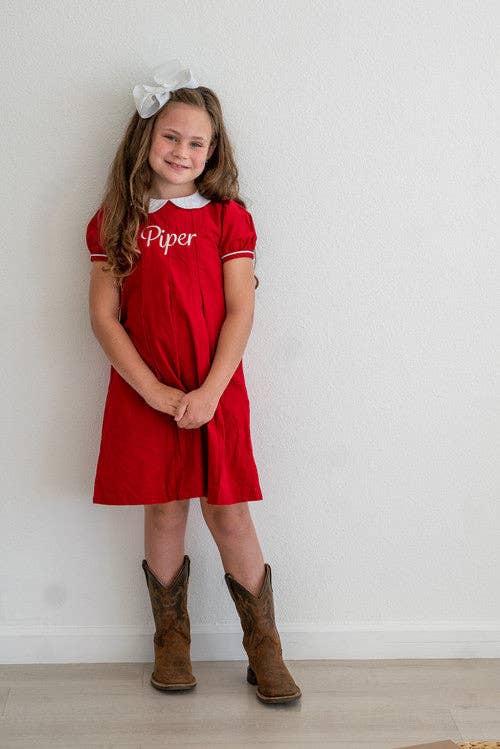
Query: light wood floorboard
{"type": "Point", "coordinates": [379, 704]}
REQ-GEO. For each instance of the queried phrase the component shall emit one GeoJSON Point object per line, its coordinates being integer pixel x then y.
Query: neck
{"type": "Point", "coordinates": [163, 191]}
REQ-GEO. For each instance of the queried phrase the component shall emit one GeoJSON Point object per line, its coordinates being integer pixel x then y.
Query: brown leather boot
{"type": "Point", "coordinates": [262, 641]}
{"type": "Point", "coordinates": [172, 638]}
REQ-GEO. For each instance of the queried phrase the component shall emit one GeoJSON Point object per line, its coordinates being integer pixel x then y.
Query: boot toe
{"type": "Point", "coordinates": [277, 695]}
{"type": "Point", "coordinates": [277, 688]}
{"type": "Point", "coordinates": [165, 683]}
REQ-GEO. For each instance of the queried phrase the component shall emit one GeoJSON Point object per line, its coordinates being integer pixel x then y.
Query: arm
{"type": "Point", "coordinates": [104, 309]}
{"type": "Point", "coordinates": [198, 406]}
{"type": "Point", "coordinates": [239, 292]}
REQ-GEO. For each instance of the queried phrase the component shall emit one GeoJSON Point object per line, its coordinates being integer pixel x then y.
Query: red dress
{"type": "Point", "coordinates": [172, 307]}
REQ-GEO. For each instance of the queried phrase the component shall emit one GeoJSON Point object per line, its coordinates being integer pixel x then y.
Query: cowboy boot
{"type": "Point", "coordinates": [262, 641]}
{"type": "Point", "coordinates": [172, 639]}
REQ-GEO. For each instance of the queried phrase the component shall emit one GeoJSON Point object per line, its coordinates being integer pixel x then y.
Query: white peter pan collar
{"type": "Point", "coordinates": [195, 200]}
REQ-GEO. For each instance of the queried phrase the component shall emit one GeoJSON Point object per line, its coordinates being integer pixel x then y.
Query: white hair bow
{"type": "Point", "coordinates": [169, 76]}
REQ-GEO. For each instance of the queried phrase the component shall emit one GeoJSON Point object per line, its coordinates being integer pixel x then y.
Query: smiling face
{"type": "Point", "coordinates": [180, 145]}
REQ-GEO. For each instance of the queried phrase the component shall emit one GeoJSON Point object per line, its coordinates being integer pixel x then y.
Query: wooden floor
{"type": "Point", "coordinates": [379, 704]}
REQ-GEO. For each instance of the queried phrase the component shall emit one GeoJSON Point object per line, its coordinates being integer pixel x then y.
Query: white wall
{"type": "Point", "coordinates": [367, 140]}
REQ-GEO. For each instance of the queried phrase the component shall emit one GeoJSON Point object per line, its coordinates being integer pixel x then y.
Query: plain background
{"type": "Point", "coordinates": [366, 136]}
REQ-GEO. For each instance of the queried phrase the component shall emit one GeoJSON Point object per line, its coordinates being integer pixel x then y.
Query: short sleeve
{"type": "Point", "coordinates": [92, 238]}
{"type": "Point", "coordinates": [238, 237]}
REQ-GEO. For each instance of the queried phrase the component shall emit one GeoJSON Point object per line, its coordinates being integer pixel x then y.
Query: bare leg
{"type": "Point", "coordinates": [164, 534]}
{"type": "Point", "coordinates": [234, 533]}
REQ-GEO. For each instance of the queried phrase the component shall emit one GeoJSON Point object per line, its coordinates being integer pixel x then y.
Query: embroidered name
{"type": "Point", "coordinates": [152, 233]}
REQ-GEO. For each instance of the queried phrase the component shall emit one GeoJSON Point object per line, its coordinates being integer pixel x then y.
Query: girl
{"type": "Point", "coordinates": [171, 302]}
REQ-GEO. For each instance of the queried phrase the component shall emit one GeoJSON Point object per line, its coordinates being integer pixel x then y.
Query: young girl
{"type": "Point", "coordinates": [171, 302]}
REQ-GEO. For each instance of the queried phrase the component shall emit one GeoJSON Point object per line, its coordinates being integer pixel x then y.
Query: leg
{"type": "Point", "coordinates": [234, 533]}
{"type": "Point", "coordinates": [167, 581]}
{"type": "Point", "coordinates": [249, 582]}
{"type": "Point", "coordinates": [164, 534]}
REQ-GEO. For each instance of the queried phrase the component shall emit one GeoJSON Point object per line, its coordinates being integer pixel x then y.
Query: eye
{"type": "Point", "coordinates": [196, 144]}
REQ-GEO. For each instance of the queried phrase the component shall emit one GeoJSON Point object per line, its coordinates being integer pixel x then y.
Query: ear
{"type": "Point", "coordinates": [211, 149]}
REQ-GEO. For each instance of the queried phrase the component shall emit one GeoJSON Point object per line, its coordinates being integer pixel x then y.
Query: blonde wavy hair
{"type": "Point", "coordinates": [127, 191]}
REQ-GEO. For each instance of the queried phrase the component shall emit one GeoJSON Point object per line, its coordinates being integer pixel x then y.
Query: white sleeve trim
{"type": "Point", "coordinates": [239, 252]}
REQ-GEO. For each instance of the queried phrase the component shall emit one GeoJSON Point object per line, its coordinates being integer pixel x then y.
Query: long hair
{"type": "Point", "coordinates": [127, 192]}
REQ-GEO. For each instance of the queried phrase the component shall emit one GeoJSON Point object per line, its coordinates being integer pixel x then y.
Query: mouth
{"type": "Point", "coordinates": [177, 167]}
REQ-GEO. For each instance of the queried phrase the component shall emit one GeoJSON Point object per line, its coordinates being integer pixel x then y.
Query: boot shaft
{"type": "Point", "coordinates": [169, 603]}
{"type": "Point", "coordinates": [256, 612]}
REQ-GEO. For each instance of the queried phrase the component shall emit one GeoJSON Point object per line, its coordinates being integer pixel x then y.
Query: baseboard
{"type": "Point", "coordinates": [126, 643]}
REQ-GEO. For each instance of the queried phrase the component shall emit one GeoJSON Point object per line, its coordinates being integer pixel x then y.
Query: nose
{"type": "Point", "coordinates": [179, 151]}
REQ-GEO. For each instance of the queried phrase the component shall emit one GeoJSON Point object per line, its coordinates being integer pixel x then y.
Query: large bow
{"type": "Point", "coordinates": [170, 76]}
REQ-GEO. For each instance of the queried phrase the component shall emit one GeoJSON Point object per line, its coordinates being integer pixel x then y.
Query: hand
{"type": "Point", "coordinates": [196, 408]}
{"type": "Point", "coordinates": [165, 398]}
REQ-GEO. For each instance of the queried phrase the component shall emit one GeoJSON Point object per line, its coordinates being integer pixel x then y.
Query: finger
{"type": "Point", "coordinates": [184, 421]}
{"type": "Point", "coordinates": [189, 422]}
{"type": "Point", "coordinates": [180, 413]}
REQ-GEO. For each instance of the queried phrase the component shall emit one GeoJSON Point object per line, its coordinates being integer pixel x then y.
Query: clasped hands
{"type": "Point", "coordinates": [190, 410]}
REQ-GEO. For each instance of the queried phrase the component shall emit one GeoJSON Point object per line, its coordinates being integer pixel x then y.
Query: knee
{"type": "Point", "coordinates": [167, 514]}
{"type": "Point", "coordinates": [231, 520]}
